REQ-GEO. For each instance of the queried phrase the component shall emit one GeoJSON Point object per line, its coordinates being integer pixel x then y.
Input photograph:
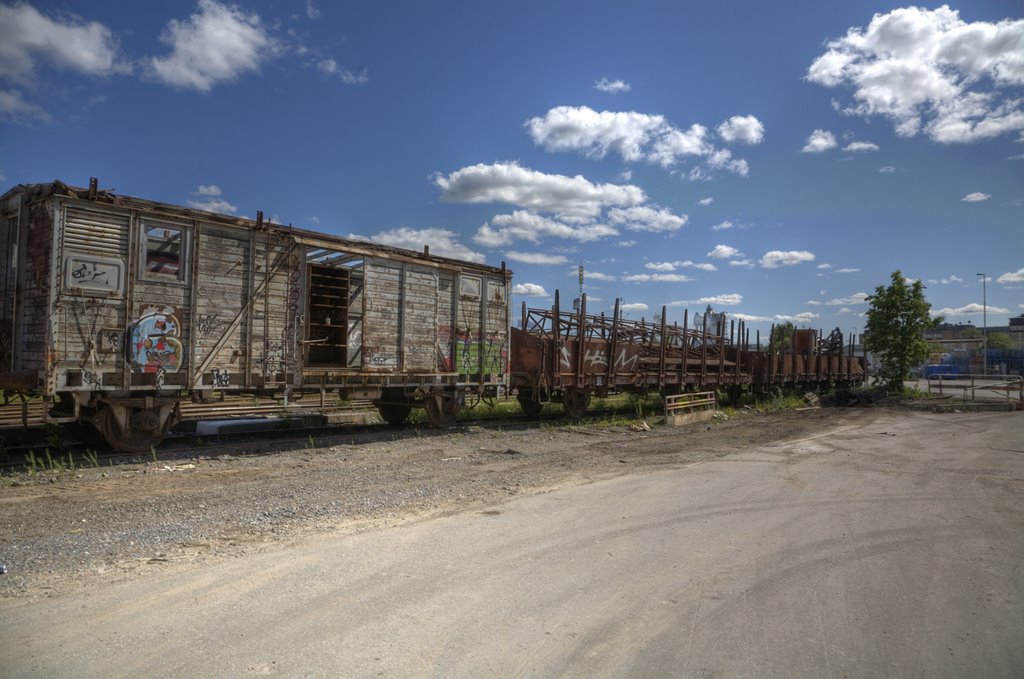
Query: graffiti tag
{"type": "Point", "coordinates": [206, 323]}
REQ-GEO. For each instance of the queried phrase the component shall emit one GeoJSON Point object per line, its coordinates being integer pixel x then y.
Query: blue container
{"type": "Point", "coordinates": [944, 370]}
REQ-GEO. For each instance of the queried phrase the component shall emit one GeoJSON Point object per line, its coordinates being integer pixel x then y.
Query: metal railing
{"type": "Point", "coordinates": [970, 385]}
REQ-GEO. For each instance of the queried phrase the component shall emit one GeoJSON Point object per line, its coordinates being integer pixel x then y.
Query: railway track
{"type": "Point", "coordinates": [68, 451]}
{"type": "Point", "coordinates": [21, 414]}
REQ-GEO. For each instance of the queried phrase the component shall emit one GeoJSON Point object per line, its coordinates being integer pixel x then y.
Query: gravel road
{"type": "Point", "coordinates": [863, 543]}
{"type": "Point", "coordinates": [223, 501]}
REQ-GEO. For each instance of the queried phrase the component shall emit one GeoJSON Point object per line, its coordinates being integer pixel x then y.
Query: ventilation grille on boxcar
{"type": "Point", "coordinates": [96, 233]}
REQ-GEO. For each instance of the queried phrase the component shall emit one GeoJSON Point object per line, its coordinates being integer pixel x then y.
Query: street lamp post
{"type": "Point", "coordinates": [984, 327]}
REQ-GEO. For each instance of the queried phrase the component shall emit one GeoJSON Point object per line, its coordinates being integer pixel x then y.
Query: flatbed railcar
{"type": "Point", "coordinates": [568, 357]}
{"type": "Point", "coordinates": [116, 309]}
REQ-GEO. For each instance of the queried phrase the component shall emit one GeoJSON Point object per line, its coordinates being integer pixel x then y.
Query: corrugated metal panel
{"type": "Point", "coordinates": [95, 232]}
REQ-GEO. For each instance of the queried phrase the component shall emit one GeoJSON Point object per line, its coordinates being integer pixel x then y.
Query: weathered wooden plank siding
{"type": "Point", "coordinates": [420, 326]}
{"type": "Point", "coordinates": [446, 323]}
{"type": "Point", "coordinates": [34, 314]}
{"type": "Point", "coordinates": [468, 319]}
{"type": "Point", "coordinates": [90, 330]}
{"type": "Point", "coordinates": [382, 320]}
{"type": "Point", "coordinates": [222, 269]}
{"type": "Point", "coordinates": [8, 271]}
{"type": "Point", "coordinates": [496, 339]}
{"type": "Point", "coordinates": [276, 311]}
{"type": "Point", "coordinates": [400, 326]}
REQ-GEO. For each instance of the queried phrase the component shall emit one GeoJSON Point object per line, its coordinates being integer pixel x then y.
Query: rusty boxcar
{"type": "Point", "coordinates": [114, 309]}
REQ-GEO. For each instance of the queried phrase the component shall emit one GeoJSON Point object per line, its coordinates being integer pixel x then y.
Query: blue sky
{"type": "Point", "coordinates": [776, 160]}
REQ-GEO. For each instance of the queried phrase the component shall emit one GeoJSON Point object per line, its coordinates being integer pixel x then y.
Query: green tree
{"type": "Point", "coordinates": [999, 340]}
{"type": "Point", "coordinates": [783, 336]}
{"type": "Point", "coordinates": [897, 319]}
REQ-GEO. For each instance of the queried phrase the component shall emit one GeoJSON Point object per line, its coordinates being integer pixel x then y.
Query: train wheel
{"type": "Point", "coordinates": [395, 415]}
{"type": "Point", "coordinates": [575, 403]}
{"type": "Point", "coordinates": [442, 409]}
{"type": "Point", "coordinates": [531, 407]}
{"type": "Point", "coordinates": [135, 440]}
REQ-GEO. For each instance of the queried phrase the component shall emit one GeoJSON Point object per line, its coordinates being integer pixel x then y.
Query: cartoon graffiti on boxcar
{"type": "Point", "coordinates": [155, 345]}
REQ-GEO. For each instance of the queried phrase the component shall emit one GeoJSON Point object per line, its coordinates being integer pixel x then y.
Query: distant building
{"type": "Point", "coordinates": [954, 337]}
{"type": "Point", "coordinates": [1015, 330]}
{"type": "Point", "coordinates": [962, 344]}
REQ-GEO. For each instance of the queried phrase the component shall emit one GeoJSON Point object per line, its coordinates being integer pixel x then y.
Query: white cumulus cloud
{"type": "Point", "coordinates": [636, 137]}
{"type": "Point", "coordinates": [724, 252]}
{"type": "Point", "coordinates": [777, 258]}
{"type": "Point", "coordinates": [928, 70]}
{"type": "Point", "coordinates": [348, 77]}
{"type": "Point", "coordinates": [594, 275]}
{"type": "Point", "coordinates": [730, 299]}
{"type": "Point", "coordinates": [818, 141]}
{"type": "Point", "coordinates": [509, 183]}
{"type": "Point", "coordinates": [646, 218]}
{"type": "Point", "coordinates": [975, 197]}
{"type": "Point", "coordinates": [805, 317]}
{"type": "Point", "coordinates": [442, 242]}
{"type": "Point", "coordinates": [215, 45]}
{"type": "Point", "coordinates": [15, 108]}
{"type": "Point", "coordinates": [28, 38]}
{"type": "Point", "coordinates": [945, 281]}
{"type": "Point", "coordinates": [680, 264]}
{"type": "Point", "coordinates": [657, 278]}
{"type": "Point", "coordinates": [211, 200]}
{"type": "Point", "coordinates": [214, 205]}
{"type": "Point", "coordinates": [722, 226]}
{"type": "Point", "coordinates": [973, 309]}
{"type": "Point", "coordinates": [1012, 277]}
{"type": "Point", "coordinates": [529, 290]}
{"type": "Point", "coordinates": [633, 306]}
{"type": "Point", "coordinates": [535, 257]}
{"type": "Point", "coordinates": [529, 226]}
{"type": "Point", "coordinates": [611, 86]}
{"type": "Point", "coordinates": [706, 201]}
{"type": "Point", "coordinates": [855, 298]}
{"type": "Point", "coordinates": [860, 147]}
{"type": "Point", "coordinates": [746, 129]}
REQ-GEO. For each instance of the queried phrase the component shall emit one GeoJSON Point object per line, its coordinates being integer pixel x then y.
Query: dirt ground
{"type": "Point", "coordinates": [223, 501]}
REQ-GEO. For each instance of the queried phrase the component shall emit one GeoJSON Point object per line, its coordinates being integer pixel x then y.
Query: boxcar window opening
{"type": "Point", "coordinates": [164, 251]}
{"type": "Point", "coordinates": [496, 293]}
{"type": "Point", "coordinates": [469, 287]}
{"type": "Point", "coordinates": [327, 317]}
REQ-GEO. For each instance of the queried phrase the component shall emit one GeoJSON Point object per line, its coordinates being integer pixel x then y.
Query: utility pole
{"type": "Point", "coordinates": [984, 327]}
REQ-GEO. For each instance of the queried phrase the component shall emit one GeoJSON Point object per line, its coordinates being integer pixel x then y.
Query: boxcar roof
{"type": "Point", "coordinates": [57, 188]}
